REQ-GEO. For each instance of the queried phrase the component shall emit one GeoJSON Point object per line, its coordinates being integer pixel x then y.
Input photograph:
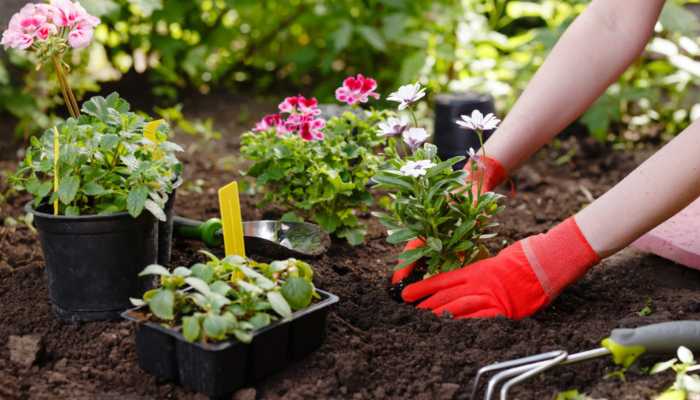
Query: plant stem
{"type": "Point", "coordinates": [415, 120]}
{"type": "Point", "coordinates": [483, 151]}
{"type": "Point", "coordinates": [58, 69]}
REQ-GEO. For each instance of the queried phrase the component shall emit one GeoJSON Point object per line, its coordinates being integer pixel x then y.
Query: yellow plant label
{"type": "Point", "coordinates": [149, 132]}
{"type": "Point", "coordinates": [55, 168]}
{"type": "Point", "coordinates": [231, 220]}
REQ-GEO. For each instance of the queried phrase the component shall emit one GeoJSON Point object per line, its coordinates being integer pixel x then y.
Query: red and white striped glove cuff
{"type": "Point", "coordinates": [560, 257]}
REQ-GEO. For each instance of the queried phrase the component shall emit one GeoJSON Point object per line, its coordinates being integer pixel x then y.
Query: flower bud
{"type": "Point", "coordinates": [39, 65]}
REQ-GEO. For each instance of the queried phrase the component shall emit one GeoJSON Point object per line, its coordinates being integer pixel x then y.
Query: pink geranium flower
{"type": "Point", "coordinates": [356, 89]}
{"type": "Point", "coordinates": [311, 129]}
{"type": "Point", "coordinates": [290, 104]}
{"type": "Point", "coordinates": [46, 30]}
{"type": "Point", "coordinates": [268, 122]}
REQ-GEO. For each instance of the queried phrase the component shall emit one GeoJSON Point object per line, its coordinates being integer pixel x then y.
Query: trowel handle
{"type": "Point", "coordinates": [663, 339]}
{"type": "Point", "coordinates": [207, 232]}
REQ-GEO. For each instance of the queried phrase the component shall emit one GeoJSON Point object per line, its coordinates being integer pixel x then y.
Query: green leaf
{"type": "Point", "coordinates": [214, 326]}
{"type": "Point", "coordinates": [93, 189]}
{"type": "Point", "coordinates": [155, 209]}
{"type": "Point", "coordinates": [136, 200]}
{"type": "Point", "coordinates": [260, 320]}
{"type": "Point", "coordinates": [342, 36]}
{"type": "Point", "coordinates": [675, 17]}
{"type": "Point", "coordinates": [328, 222]}
{"type": "Point", "coordinates": [460, 232]}
{"type": "Point", "coordinates": [291, 217]}
{"type": "Point", "coordinates": [243, 336]}
{"type": "Point", "coordinates": [72, 211]}
{"type": "Point", "coordinates": [155, 269]}
{"type": "Point", "coordinates": [372, 36]}
{"type": "Point", "coordinates": [434, 243]}
{"type": "Point", "coordinates": [354, 235]}
{"type": "Point", "coordinates": [401, 235]}
{"type": "Point", "coordinates": [68, 188]}
{"type": "Point", "coordinates": [108, 141]}
{"type": "Point", "coordinates": [162, 305]}
{"type": "Point", "coordinates": [198, 285]}
{"type": "Point", "coordinates": [220, 287]}
{"type": "Point", "coordinates": [662, 366]}
{"type": "Point", "coordinates": [297, 292]}
{"type": "Point", "coordinates": [190, 328]}
{"type": "Point", "coordinates": [182, 272]}
{"type": "Point", "coordinates": [392, 181]}
{"type": "Point", "coordinates": [279, 304]}
{"type": "Point", "coordinates": [411, 66]}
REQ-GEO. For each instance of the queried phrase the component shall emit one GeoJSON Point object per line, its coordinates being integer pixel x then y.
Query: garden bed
{"type": "Point", "coordinates": [375, 347]}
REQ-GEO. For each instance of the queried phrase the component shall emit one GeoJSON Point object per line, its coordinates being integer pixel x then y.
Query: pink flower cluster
{"type": "Point", "coordinates": [356, 89]}
{"type": "Point", "coordinates": [301, 120]}
{"type": "Point", "coordinates": [42, 21]}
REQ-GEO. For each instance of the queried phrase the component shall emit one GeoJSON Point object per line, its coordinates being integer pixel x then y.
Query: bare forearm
{"type": "Point", "coordinates": [598, 46]}
{"type": "Point", "coordinates": [659, 188]}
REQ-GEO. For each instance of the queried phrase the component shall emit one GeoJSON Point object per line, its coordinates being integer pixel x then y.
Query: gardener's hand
{"type": "Point", "coordinates": [493, 177]}
{"type": "Point", "coordinates": [521, 280]}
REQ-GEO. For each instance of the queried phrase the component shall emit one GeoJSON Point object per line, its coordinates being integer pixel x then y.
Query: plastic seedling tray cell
{"type": "Point", "coordinates": [218, 368]}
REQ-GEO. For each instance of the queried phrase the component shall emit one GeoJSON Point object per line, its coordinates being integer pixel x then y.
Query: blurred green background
{"type": "Point", "coordinates": [274, 48]}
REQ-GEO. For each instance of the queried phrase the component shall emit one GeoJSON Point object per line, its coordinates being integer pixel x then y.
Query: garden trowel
{"type": "Point", "coordinates": [287, 238]}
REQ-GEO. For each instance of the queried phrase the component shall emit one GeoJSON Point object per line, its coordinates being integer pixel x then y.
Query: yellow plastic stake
{"type": "Point", "coordinates": [231, 220]}
{"type": "Point", "coordinates": [55, 168]}
{"type": "Point", "coordinates": [149, 132]}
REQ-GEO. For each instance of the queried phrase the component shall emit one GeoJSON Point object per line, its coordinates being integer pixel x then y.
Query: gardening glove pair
{"type": "Point", "coordinates": [494, 175]}
{"type": "Point", "coordinates": [519, 281]}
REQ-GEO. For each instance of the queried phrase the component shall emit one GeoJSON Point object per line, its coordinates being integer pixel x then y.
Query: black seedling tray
{"type": "Point", "coordinates": [219, 368]}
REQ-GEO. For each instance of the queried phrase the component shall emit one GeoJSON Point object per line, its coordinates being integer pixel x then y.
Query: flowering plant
{"type": "Point", "coordinates": [48, 30]}
{"type": "Point", "coordinates": [445, 209]}
{"type": "Point", "coordinates": [320, 168]}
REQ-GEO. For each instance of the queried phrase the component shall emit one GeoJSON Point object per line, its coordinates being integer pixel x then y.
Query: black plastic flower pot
{"type": "Point", "coordinates": [220, 368]}
{"type": "Point", "coordinates": [165, 228]}
{"type": "Point", "coordinates": [93, 261]}
{"type": "Point", "coordinates": [450, 139]}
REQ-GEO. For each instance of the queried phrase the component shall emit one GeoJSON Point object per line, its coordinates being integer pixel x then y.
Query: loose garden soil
{"type": "Point", "coordinates": [376, 347]}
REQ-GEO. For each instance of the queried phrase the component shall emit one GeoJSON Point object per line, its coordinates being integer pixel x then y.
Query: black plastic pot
{"type": "Point", "coordinates": [450, 139]}
{"type": "Point", "coordinates": [216, 369]}
{"type": "Point", "coordinates": [165, 228]}
{"type": "Point", "coordinates": [93, 261]}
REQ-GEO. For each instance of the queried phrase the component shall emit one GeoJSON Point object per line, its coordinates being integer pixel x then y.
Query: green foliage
{"type": "Point", "coordinates": [105, 164]}
{"type": "Point", "coordinates": [324, 180]}
{"type": "Point", "coordinates": [233, 296]}
{"type": "Point", "coordinates": [684, 383]}
{"type": "Point", "coordinates": [493, 46]}
{"type": "Point", "coordinates": [440, 209]}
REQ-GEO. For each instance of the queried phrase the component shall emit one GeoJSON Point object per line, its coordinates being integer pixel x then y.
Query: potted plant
{"type": "Point", "coordinates": [447, 210]}
{"type": "Point", "coordinates": [319, 168]}
{"type": "Point", "coordinates": [92, 176]}
{"type": "Point", "coordinates": [234, 323]}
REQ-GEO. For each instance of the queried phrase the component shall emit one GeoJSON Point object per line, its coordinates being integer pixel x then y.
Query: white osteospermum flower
{"type": "Point", "coordinates": [416, 168]}
{"type": "Point", "coordinates": [407, 94]}
{"type": "Point", "coordinates": [393, 126]}
{"type": "Point", "coordinates": [478, 122]}
{"type": "Point", "coordinates": [415, 137]}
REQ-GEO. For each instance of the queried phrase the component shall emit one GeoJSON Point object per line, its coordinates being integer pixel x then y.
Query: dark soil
{"type": "Point", "coordinates": [376, 347]}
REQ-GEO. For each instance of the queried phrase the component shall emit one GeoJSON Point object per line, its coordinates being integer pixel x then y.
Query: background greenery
{"type": "Point", "coordinates": [277, 47]}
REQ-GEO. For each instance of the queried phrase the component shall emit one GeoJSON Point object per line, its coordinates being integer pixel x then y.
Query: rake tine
{"type": "Point", "coordinates": [526, 362]}
{"type": "Point", "coordinates": [542, 366]}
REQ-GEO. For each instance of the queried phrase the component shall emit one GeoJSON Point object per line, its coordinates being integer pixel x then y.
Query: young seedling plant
{"type": "Point", "coordinates": [685, 383]}
{"type": "Point", "coordinates": [445, 209]}
{"type": "Point", "coordinates": [105, 164]}
{"type": "Point", "coordinates": [232, 296]}
{"type": "Point", "coordinates": [319, 168]}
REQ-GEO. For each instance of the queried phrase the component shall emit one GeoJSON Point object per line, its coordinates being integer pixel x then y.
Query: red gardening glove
{"type": "Point", "coordinates": [493, 177]}
{"type": "Point", "coordinates": [521, 280]}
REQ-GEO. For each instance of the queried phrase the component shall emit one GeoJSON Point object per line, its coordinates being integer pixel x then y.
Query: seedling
{"type": "Point", "coordinates": [232, 296]}
{"type": "Point", "coordinates": [684, 383]}
{"type": "Point", "coordinates": [643, 312]}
